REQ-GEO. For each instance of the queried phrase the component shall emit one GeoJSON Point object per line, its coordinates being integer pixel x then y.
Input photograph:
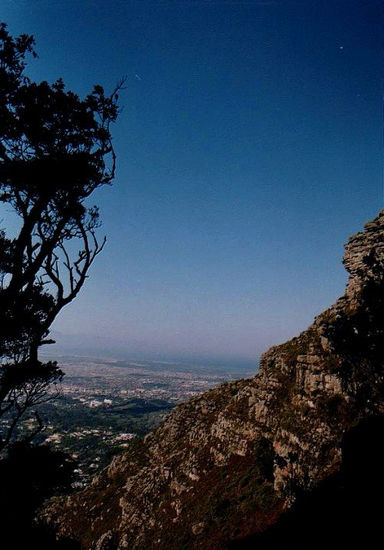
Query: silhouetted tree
{"type": "Point", "coordinates": [55, 150]}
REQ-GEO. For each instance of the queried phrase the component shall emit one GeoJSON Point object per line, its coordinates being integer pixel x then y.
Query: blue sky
{"type": "Point", "coordinates": [250, 147]}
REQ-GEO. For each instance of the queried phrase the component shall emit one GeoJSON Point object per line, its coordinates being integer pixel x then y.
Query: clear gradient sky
{"type": "Point", "coordinates": [249, 148]}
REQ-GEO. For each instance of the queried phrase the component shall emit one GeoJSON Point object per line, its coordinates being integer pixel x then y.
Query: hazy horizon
{"type": "Point", "coordinates": [77, 345]}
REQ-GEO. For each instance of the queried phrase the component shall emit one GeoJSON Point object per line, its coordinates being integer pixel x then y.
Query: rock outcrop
{"type": "Point", "coordinates": [228, 463]}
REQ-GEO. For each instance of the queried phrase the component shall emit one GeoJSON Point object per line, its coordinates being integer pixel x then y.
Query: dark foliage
{"type": "Point", "coordinates": [55, 150]}
{"type": "Point", "coordinates": [28, 476]}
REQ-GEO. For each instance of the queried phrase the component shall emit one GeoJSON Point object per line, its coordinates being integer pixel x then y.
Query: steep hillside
{"type": "Point", "coordinates": [228, 463]}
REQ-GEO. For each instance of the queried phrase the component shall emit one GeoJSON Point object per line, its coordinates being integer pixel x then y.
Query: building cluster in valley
{"type": "Point", "coordinates": [102, 405]}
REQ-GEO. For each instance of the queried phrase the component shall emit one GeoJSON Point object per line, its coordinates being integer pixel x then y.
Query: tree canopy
{"type": "Point", "coordinates": [55, 150]}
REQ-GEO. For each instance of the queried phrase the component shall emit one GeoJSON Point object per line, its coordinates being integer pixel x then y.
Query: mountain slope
{"type": "Point", "coordinates": [228, 463]}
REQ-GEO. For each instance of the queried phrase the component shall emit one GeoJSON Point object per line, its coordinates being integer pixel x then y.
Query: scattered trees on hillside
{"type": "Point", "coordinates": [55, 150]}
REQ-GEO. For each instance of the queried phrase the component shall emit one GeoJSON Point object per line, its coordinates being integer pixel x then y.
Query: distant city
{"type": "Point", "coordinates": [103, 404]}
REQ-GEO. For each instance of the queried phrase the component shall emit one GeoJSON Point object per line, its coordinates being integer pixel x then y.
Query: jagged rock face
{"type": "Point", "coordinates": [229, 462]}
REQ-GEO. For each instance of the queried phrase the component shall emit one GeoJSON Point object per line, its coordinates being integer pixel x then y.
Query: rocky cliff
{"type": "Point", "coordinates": [230, 462]}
